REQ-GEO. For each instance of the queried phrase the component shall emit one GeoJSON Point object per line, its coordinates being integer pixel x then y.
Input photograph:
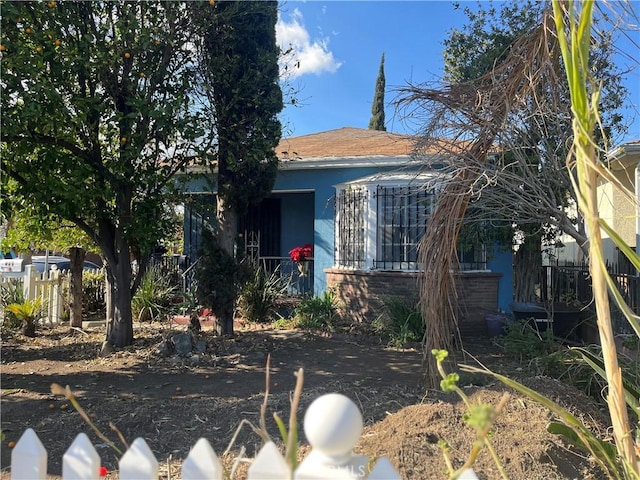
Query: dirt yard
{"type": "Point", "coordinates": [171, 400]}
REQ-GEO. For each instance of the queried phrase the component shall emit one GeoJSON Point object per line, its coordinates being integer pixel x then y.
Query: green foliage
{"type": "Point", "coordinates": [98, 116]}
{"type": "Point", "coordinates": [478, 416]}
{"type": "Point", "coordinates": [318, 313]}
{"type": "Point", "coordinates": [258, 298]}
{"type": "Point", "coordinates": [219, 276]}
{"type": "Point", "coordinates": [377, 108]}
{"type": "Point", "coordinates": [574, 430]}
{"type": "Point", "coordinates": [93, 286]}
{"type": "Point", "coordinates": [240, 78]}
{"type": "Point", "coordinates": [27, 313]}
{"type": "Point", "coordinates": [484, 41]}
{"type": "Point", "coordinates": [523, 340]}
{"type": "Point", "coordinates": [28, 231]}
{"type": "Point", "coordinates": [10, 292]}
{"type": "Point", "coordinates": [153, 298]}
{"type": "Point", "coordinates": [401, 322]}
{"type": "Point", "coordinates": [189, 303]}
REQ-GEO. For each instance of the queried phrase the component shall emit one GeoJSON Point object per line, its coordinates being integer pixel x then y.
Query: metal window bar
{"type": "Point", "coordinates": [350, 249]}
{"type": "Point", "coordinates": [402, 215]}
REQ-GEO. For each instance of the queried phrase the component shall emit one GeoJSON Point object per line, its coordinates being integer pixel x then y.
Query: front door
{"type": "Point", "coordinates": [261, 229]}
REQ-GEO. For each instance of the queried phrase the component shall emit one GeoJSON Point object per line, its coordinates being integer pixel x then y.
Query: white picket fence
{"type": "Point", "coordinates": [50, 287]}
{"type": "Point", "coordinates": [332, 425]}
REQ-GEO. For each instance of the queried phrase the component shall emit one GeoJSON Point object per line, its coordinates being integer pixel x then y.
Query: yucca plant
{"type": "Point", "coordinates": [153, 297]}
{"type": "Point", "coordinates": [258, 298]}
{"type": "Point", "coordinates": [10, 292]}
{"type": "Point", "coordinates": [27, 312]}
{"type": "Point", "coordinates": [318, 313]}
{"type": "Point", "coordinates": [401, 321]}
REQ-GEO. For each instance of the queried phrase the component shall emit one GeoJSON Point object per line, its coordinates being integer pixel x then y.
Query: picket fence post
{"type": "Point", "coordinates": [138, 462]}
{"type": "Point", "coordinates": [202, 463]}
{"type": "Point", "coordinates": [29, 458]}
{"type": "Point", "coordinates": [29, 283]}
{"type": "Point", "coordinates": [81, 461]}
{"type": "Point", "coordinates": [332, 424]}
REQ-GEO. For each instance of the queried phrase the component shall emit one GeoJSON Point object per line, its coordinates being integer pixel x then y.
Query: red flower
{"type": "Point", "coordinates": [300, 254]}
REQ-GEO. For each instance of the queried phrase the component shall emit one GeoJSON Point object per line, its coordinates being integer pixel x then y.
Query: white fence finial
{"type": "Point", "coordinates": [29, 458]}
{"type": "Point", "coordinates": [138, 463]}
{"type": "Point", "coordinates": [202, 463]}
{"type": "Point", "coordinates": [81, 461]}
{"type": "Point", "coordinates": [332, 425]}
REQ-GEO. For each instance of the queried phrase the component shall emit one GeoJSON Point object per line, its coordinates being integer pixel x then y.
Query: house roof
{"type": "Point", "coordinates": [625, 155]}
{"type": "Point", "coordinates": [345, 142]}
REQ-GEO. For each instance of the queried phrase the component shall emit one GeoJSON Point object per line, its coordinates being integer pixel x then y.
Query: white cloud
{"type": "Point", "coordinates": [306, 55]}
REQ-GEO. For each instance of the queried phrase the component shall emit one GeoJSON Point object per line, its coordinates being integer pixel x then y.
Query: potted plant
{"type": "Point", "coordinates": [300, 255]}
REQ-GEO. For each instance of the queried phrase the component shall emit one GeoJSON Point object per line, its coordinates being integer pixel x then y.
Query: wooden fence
{"type": "Point", "coordinates": [332, 424]}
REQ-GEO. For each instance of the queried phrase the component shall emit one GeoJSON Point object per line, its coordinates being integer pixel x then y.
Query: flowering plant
{"type": "Point", "coordinates": [300, 254]}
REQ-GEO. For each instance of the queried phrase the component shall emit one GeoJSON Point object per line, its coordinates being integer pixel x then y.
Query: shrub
{"type": "Point", "coordinates": [27, 312]}
{"type": "Point", "coordinates": [318, 313]}
{"type": "Point", "coordinates": [93, 285]}
{"type": "Point", "coordinates": [401, 322]}
{"type": "Point", "coordinates": [219, 276]}
{"type": "Point", "coordinates": [524, 341]}
{"type": "Point", "coordinates": [259, 295]}
{"type": "Point", "coordinates": [153, 297]}
{"type": "Point", "coordinates": [10, 292]}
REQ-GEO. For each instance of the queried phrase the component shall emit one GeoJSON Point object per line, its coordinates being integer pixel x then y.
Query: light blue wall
{"type": "Point", "coordinates": [322, 183]}
{"type": "Point", "coordinates": [310, 193]}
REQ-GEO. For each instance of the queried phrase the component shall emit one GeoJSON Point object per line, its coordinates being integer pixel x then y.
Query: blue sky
{"type": "Point", "coordinates": [338, 45]}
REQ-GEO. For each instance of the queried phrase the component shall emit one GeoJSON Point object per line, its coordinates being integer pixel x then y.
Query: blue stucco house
{"type": "Point", "coordinates": [362, 199]}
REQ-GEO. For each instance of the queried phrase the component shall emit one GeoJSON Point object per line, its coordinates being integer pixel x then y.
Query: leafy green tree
{"type": "Point", "coordinates": [533, 138]}
{"type": "Point", "coordinates": [28, 231]}
{"type": "Point", "coordinates": [377, 109]}
{"type": "Point", "coordinates": [239, 66]}
{"type": "Point", "coordinates": [97, 119]}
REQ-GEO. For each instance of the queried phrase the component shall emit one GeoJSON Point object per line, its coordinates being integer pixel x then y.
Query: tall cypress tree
{"type": "Point", "coordinates": [239, 61]}
{"type": "Point", "coordinates": [377, 109]}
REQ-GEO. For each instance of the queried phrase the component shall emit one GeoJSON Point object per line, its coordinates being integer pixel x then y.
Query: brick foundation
{"type": "Point", "coordinates": [361, 293]}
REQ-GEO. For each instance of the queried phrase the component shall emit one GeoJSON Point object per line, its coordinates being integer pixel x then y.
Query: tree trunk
{"type": "Point", "coordinates": [527, 264]}
{"type": "Point", "coordinates": [76, 254]}
{"type": "Point", "coordinates": [119, 317]}
{"type": "Point", "coordinates": [227, 221]}
{"type": "Point", "coordinates": [29, 328]}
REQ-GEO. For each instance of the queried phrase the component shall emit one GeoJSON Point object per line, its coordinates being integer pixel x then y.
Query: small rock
{"type": "Point", "coordinates": [182, 342]}
{"type": "Point", "coordinates": [165, 348]}
{"type": "Point", "coordinates": [175, 361]}
{"type": "Point", "coordinates": [201, 346]}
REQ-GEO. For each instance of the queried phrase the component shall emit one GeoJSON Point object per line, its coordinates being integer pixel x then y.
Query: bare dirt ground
{"type": "Point", "coordinates": [172, 401]}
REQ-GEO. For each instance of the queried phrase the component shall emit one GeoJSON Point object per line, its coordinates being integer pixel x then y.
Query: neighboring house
{"type": "Point", "coordinates": [620, 211]}
{"type": "Point", "coordinates": [362, 200]}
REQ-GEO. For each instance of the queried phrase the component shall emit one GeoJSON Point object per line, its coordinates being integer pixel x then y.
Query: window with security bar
{"type": "Point", "coordinates": [402, 215]}
{"type": "Point", "coordinates": [380, 227]}
{"type": "Point", "coordinates": [350, 214]}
